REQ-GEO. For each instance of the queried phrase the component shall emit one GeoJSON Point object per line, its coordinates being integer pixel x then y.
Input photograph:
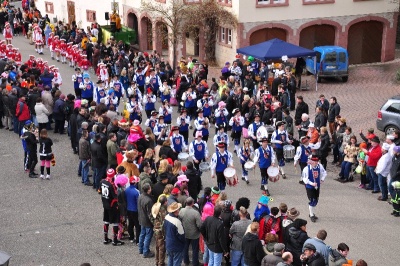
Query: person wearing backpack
{"type": "Point", "coordinates": [337, 257]}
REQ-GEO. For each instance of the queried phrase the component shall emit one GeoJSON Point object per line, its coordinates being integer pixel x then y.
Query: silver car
{"type": "Point", "coordinates": [389, 116]}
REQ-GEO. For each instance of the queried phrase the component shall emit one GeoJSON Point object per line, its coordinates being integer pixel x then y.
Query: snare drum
{"type": "Point", "coordinates": [249, 165]}
{"type": "Point", "coordinates": [230, 176]}
{"type": "Point", "coordinates": [204, 167]}
{"type": "Point", "coordinates": [273, 173]}
{"type": "Point", "coordinates": [289, 151]}
{"type": "Point", "coordinates": [183, 156]}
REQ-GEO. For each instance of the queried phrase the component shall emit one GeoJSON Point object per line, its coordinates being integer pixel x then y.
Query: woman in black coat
{"type": "Point", "coordinates": [167, 150]}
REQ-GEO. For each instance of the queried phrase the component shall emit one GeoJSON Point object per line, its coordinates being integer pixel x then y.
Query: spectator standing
{"type": "Point", "coordinates": [252, 248]}
{"type": "Point", "coordinates": [237, 231]}
{"type": "Point", "coordinates": [59, 114]}
{"type": "Point", "coordinates": [85, 157]}
{"type": "Point", "coordinates": [319, 244]}
{"type": "Point", "coordinates": [333, 112]}
{"type": "Point", "coordinates": [146, 230]}
{"type": "Point", "coordinates": [174, 235]}
{"type": "Point", "coordinates": [191, 221]}
{"type": "Point", "coordinates": [158, 214]}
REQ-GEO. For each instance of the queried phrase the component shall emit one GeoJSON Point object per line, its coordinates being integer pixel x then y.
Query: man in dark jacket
{"type": "Point", "coordinates": [252, 248]}
{"type": "Point", "coordinates": [99, 161]}
{"type": "Point", "coordinates": [145, 204]}
{"type": "Point", "coordinates": [158, 188]}
{"type": "Point", "coordinates": [174, 235]}
{"type": "Point", "coordinates": [31, 101]}
{"type": "Point", "coordinates": [334, 110]}
{"type": "Point", "coordinates": [297, 237]}
{"type": "Point", "coordinates": [12, 105]}
{"type": "Point", "coordinates": [194, 184]}
{"type": "Point", "coordinates": [212, 230]}
{"type": "Point", "coordinates": [59, 114]}
{"type": "Point", "coordinates": [394, 173]}
{"type": "Point", "coordinates": [283, 97]}
{"type": "Point", "coordinates": [320, 118]}
{"type": "Point", "coordinates": [311, 257]}
{"type": "Point", "coordinates": [275, 83]}
{"type": "Point", "coordinates": [302, 108]}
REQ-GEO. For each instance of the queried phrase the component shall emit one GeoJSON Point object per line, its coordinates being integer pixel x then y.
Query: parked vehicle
{"type": "Point", "coordinates": [332, 62]}
{"type": "Point", "coordinates": [389, 116]}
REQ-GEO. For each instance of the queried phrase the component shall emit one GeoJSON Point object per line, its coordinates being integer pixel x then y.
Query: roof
{"type": "Point", "coordinates": [330, 47]}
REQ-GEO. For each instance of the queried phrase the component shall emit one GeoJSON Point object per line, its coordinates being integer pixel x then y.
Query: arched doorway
{"type": "Point", "coordinates": [192, 42]}
{"type": "Point", "coordinates": [147, 33]}
{"type": "Point", "coordinates": [162, 35]}
{"type": "Point", "coordinates": [317, 35]}
{"type": "Point", "coordinates": [133, 24]}
{"type": "Point", "coordinates": [365, 42]}
{"type": "Point", "coordinates": [267, 34]}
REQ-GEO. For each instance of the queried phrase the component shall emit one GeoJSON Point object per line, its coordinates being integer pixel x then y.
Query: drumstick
{"type": "Point", "coordinates": [295, 169]}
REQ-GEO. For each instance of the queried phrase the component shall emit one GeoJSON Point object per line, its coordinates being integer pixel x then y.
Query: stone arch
{"type": "Point", "coordinates": [146, 33]}
{"type": "Point", "coordinates": [310, 33]}
{"type": "Point", "coordinates": [276, 26]}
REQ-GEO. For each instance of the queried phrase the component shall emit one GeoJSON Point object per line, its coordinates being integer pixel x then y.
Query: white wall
{"type": "Point", "coordinates": [296, 10]}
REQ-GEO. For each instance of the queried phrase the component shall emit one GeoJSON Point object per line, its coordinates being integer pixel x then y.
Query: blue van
{"type": "Point", "coordinates": [332, 62]}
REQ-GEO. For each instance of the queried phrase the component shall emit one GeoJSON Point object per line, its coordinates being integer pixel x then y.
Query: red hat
{"type": "Point", "coordinates": [174, 128]}
{"type": "Point", "coordinates": [110, 173]}
{"type": "Point", "coordinates": [134, 179]}
{"type": "Point", "coordinates": [183, 168]}
{"type": "Point", "coordinates": [149, 90]}
{"type": "Point", "coordinates": [170, 161]}
{"type": "Point", "coordinates": [146, 54]}
{"type": "Point", "coordinates": [175, 191]}
{"type": "Point", "coordinates": [221, 144]}
{"type": "Point", "coordinates": [314, 158]}
{"type": "Point", "coordinates": [371, 136]}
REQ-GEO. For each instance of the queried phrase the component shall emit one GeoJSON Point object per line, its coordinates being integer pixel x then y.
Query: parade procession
{"type": "Point", "coordinates": [184, 163]}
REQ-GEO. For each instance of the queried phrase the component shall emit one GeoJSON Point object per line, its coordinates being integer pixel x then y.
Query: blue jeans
{"type": "Point", "coordinates": [373, 178]}
{"type": "Point", "coordinates": [215, 259]}
{"type": "Point", "coordinates": [237, 258]}
{"type": "Point", "coordinates": [98, 174]}
{"type": "Point", "coordinates": [84, 166]}
{"type": "Point", "coordinates": [345, 171]}
{"type": "Point", "coordinates": [175, 258]}
{"type": "Point", "coordinates": [34, 120]}
{"type": "Point", "coordinates": [195, 251]}
{"type": "Point", "coordinates": [146, 233]}
{"type": "Point", "coordinates": [16, 124]}
{"type": "Point", "coordinates": [382, 181]}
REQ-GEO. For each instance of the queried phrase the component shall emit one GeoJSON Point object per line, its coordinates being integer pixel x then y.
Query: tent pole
{"type": "Point", "coordinates": [316, 73]}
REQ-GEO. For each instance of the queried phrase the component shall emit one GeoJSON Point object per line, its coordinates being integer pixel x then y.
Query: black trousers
{"type": "Point", "coordinates": [33, 160]}
{"type": "Point", "coordinates": [133, 221]}
{"type": "Point", "coordinates": [59, 126]}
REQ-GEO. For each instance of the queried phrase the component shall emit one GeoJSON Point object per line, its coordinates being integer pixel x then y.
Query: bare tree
{"type": "Point", "coordinates": [209, 15]}
{"type": "Point", "coordinates": [172, 13]}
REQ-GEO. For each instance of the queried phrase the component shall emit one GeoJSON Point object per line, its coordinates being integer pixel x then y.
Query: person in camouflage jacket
{"type": "Point", "coordinates": [158, 213]}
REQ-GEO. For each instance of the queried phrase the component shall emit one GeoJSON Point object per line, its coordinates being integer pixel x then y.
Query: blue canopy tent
{"type": "Point", "coordinates": [275, 49]}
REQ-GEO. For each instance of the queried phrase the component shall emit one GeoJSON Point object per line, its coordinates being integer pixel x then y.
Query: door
{"type": "Point", "coordinates": [267, 34]}
{"type": "Point", "coordinates": [317, 35]}
{"type": "Point", "coordinates": [71, 11]}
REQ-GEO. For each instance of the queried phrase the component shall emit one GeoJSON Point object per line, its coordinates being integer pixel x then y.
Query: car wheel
{"type": "Point", "coordinates": [345, 79]}
{"type": "Point", "coordinates": [390, 129]}
{"type": "Point", "coordinates": [319, 79]}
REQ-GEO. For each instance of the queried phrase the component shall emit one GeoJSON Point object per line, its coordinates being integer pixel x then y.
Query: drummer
{"type": "Point", "coordinates": [177, 141]}
{"type": "Point", "coordinates": [303, 152]}
{"type": "Point", "coordinates": [198, 150]}
{"type": "Point", "coordinates": [183, 122]}
{"type": "Point", "coordinates": [245, 154]}
{"type": "Point", "coordinates": [265, 156]}
{"type": "Point", "coordinates": [253, 127]}
{"type": "Point", "coordinates": [160, 130]}
{"type": "Point", "coordinates": [220, 160]}
{"type": "Point", "coordinates": [236, 122]}
{"type": "Point", "coordinates": [279, 138]}
{"type": "Point", "coordinates": [221, 136]}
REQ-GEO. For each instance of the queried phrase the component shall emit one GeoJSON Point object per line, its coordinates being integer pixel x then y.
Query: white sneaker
{"type": "Point", "coordinates": [42, 176]}
{"type": "Point", "coordinates": [48, 177]}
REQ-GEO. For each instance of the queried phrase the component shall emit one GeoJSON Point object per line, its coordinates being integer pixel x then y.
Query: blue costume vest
{"type": "Point", "coordinates": [87, 92]}
{"type": "Point", "coordinates": [199, 150]}
{"type": "Point", "coordinates": [281, 137]}
{"type": "Point", "coordinates": [305, 152]}
{"type": "Point", "coordinates": [140, 79]}
{"type": "Point", "coordinates": [314, 176]}
{"type": "Point", "coordinates": [78, 80]}
{"type": "Point", "coordinates": [265, 157]}
{"type": "Point", "coordinates": [184, 127]}
{"type": "Point", "coordinates": [222, 162]}
{"type": "Point", "coordinates": [177, 143]}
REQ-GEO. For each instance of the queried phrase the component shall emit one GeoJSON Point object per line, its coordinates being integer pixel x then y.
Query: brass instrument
{"type": "Point", "coordinates": [206, 123]}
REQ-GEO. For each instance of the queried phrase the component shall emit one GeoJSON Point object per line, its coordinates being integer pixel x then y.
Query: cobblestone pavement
{"type": "Point", "coordinates": [59, 222]}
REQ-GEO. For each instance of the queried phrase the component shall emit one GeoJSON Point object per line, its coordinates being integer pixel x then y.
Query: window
{"type": "Point", "coordinates": [330, 57]}
{"type": "Point", "coordinates": [313, 2]}
{"type": "Point", "coordinates": [229, 33]}
{"type": "Point", "coordinates": [222, 35]}
{"type": "Point", "coordinates": [394, 108]}
{"type": "Point", "coordinates": [90, 16]}
{"type": "Point", "coordinates": [225, 2]}
{"type": "Point", "coordinates": [318, 57]}
{"type": "Point", "coordinates": [342, 57]}
{"type": "Point", "coordinates": [49, 7]}
{"type": "Point", "coordinates": [270, 3]}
